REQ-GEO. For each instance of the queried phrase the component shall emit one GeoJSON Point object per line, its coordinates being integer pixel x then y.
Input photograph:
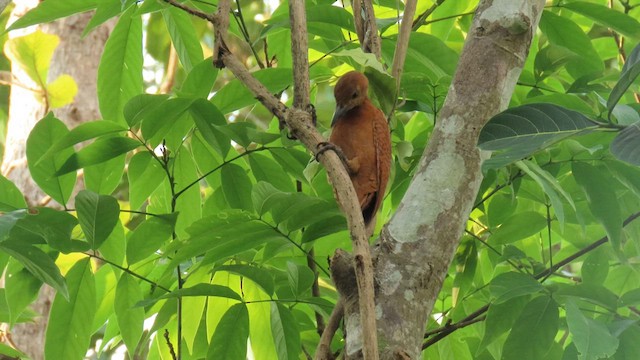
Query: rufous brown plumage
{"type": "Point", "coordinates": [361, 131]}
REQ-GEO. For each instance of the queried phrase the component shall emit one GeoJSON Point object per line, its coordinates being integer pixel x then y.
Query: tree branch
{"type": "Point", "coordinates": [299, 53]}
{"type": "Point", "coordinates": [323, 351]}
{"type": "Point", "coordinates": [372, 38]}
{"type": "Point", "coordinates": [474, 317]}
{"type": "Point", "coordinates": [192, 11]}
{"type": "Point", "coordinates": [418, 243]}
{"type": "Point", "coordinates": [421, 19]}
{"type": "Point", "coordinates": [300, 124]}
{"type": "Point", "coordinates": [403, 40]}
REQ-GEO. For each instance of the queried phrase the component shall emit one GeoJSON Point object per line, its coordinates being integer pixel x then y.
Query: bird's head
{"type": "Point", "coordinates": [350, 91]}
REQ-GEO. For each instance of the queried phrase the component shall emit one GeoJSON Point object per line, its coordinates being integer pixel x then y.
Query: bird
{"type": "Point", "coordinates": [361, 133]}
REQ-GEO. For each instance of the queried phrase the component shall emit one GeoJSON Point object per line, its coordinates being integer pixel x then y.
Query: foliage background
{"type": "Point", "coordinates": [195, 178]}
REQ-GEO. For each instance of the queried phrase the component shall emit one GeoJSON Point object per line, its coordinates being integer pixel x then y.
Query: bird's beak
{"type": "Point", "coordinates": [340, 111]}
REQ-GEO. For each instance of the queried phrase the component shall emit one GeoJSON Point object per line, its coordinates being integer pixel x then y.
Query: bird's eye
{"type": "Point", "coordinates": [354, 95]}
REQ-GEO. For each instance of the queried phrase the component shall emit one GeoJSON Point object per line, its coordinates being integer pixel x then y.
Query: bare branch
{"type": "Point", "coordinates": [373, 40]}
{"type": "Point", "coordinates": [299, 122]}
{"type": "Point", "coordinates": [299, 52]}
{"type": "Point", "coordinates": [359, 23]}
{"type": "Point", "coordinates": [366, 27]}
{"type": "Point", "coordinates": [221, 24]}
{"type": "Point", "coordinates": [403, 40]}
{"type": "Point", "coordinates": [323, 352]}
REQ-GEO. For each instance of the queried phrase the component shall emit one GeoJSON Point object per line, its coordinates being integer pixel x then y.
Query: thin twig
{"type": "Point", "coordinates": [300, 125]}
{"type": "Point", "coordinates": [402, 45]}
{"type": "Point", "coordinates": [371, 30]}
{"type": "Point", "coordinates": [300, 54]}
{"type": "Point", "coordinates": [129, 271]}
{"type": "Point", "coordinates": [423, 17]}
{"type": "Point", "coordinates": [192, 11]}
{"type": "Point", "coordinates": [323, 352]}
{"type": "Point", "coordinates": [448, 329]}
{"type": "Point", "coordinates": [196, 181]}
{"type": "Point", "coordinates": [170, 345]}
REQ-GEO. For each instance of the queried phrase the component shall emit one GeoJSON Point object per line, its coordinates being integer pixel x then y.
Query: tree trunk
{"type": "Point", "coordinates": [416, 247]}
{"type": "Point", "coordinates": [78, 57]}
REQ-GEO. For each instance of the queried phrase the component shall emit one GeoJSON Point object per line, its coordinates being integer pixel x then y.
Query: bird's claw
{"type": "Point", "coordinates": [312, 110]}
{"type": "Point", "coordinates": [325, 145]}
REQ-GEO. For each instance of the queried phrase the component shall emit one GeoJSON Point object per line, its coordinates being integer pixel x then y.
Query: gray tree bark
{"type": "Point", "coordinates": [78, 57]}
{"type": "Point", "coordinates": [416, 247]}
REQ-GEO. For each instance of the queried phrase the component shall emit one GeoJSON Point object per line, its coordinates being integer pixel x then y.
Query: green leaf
{"type": "Point", "coordinates": [236, 186]}
{"type": "Point", "coordinates": [593, 293]}
{"type": "Point", "coordinates": [46, 225]}
{"type": "Point", "coordinates": [43, 135]}
{"type": "Point", "coordinates": [199, 80]}
{"type": "Point", "coordinates": [601, 198]}
{"type": "Point", "coordinates": [550, 59]}
{"type": "Point", "coordinates": [549, 185]}
{"type": "Point", "coordinates": [8, 221]}
{"type": "Point", "coordinates": [21, 289]}
{"type": "Point", "coordinates": [616, 20]}
{"type": "Point", "coordinates": [239, 132]}
{"type": "Point", "coordinates": [183, 36]}
{"type": "Point", "coordinates": [140, 106]}
{"type": "Point", "coordinates": [196, 290]}
{"type": "Point", "coordinates": [630, 72]}
{"type": "Point", "coordinates": [208, 118]}
{"type": "Point", "coordinates": [69, 328]}
{"type": "Point", "coordinates": [120, 70]}
{"type": "Point", "coordinates": [300, 278]}
{"type": "Point", "coordinates": [561, 31]}
{"type": "Point", "coordinates": [100, 151]}
{"type": "Point", "coordinates": [521, 131]}
{"type": "Point", "coordinates": [626, 145]}
{"type": "Point", "coordinates": [500, 319]}
{"type": "Point", "coordinates": [519, 226]}
{"type": "Point", "coordinates": [595, 267]}
{"type": "Point", "coordinates": [130, 318]}
{"type": "Point", "coordinates": [105, 10]}
{"type": "Point", "coordinates": [11, 352]}
{"type": "Point", "coordinates": [38, 263]}
{"type": "Point", "coordinates": [630, 298]}
{"type": "Point", "coordinates": [52, 10]}
{"type": "Point", "coordinates": [264, 168]}
{"type": "Point", "coordinates": [222, 235]}
{"type": "Point", "coordinates": [229, 341]}
{"type": "Point", "coordinates": [629, 347]}
{"type": "Point", "coordinates": [10, 197]}
{"type": "Point", "coordinates": [592, 338]}
{"type": "Point", "coordinates": [163, 117]}
{"type": "Point", "coordinates": [145, 175]}
{"type": "Point", "coordinates": [98, 215]}
{"type": "Point", "coordinates": [262, 278]}
{"type": "Point", "coordinates": [80, 133]}
{"type": "Point", "coordinates": [33, 54]}
{"type": "Point", "coordinates": [235, 95]}
{"type": "Point", "coordinates": [149, 237]}
{"type": "Point", "coordinates": [105, 177]}
{"type": "Point", "coordinates": [533, 332]}
{"type": "Point", "coordinates": [285, 332]}
{"type": "Point", "coordinates": [329, 226]}
{"type": "Point", "coordinates": [511, 285]}
{"type": "Point", "coordinates": [436, 64]}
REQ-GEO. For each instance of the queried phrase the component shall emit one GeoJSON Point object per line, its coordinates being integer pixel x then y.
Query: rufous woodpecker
{"type": "Point", "coordinates": [361, 131]}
